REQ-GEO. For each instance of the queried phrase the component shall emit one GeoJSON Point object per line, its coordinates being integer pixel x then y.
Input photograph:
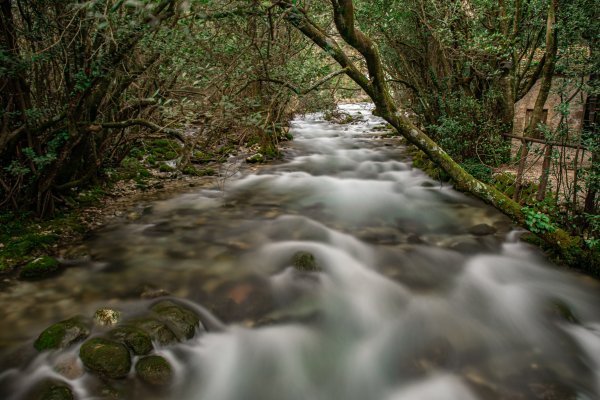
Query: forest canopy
{"type": "Point", "coordinates": [85, 82]}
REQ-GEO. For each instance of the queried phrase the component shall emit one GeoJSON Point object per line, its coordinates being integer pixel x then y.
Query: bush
{"type": "Point", "coordinates": [478, 170]}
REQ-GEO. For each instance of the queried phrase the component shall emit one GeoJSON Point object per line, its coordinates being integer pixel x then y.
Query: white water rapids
{"type": "Point", "coordinates": [411, 303]}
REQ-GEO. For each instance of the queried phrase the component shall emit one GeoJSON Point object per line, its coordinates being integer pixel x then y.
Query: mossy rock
{"type": "Point", "coordinates": [193, 171]}
{"type": "Point", "coordinates": [42, 267]}
{"type": "Point", "coordinates": [63, 334]}
{"type": "Point", "coordinates": [166, 168]}
{"type": "Point", "coordinates": [135, 339]}
{"type": "Point", "coordinates": [106, 358]}
{"type": "Point", "coordinates": [305, 261]}
{"type": "Point", "coordinates": [170, 155]}
{"type": "Point", "coordinates": [57, 392]}
{"type": "Point", "coordinates": [256, 158]}
{"type": "Point", "coordinates": [190, 170]}
{"type": "Point", "coordinates": [154, 370]}
{"type": "Point", "coordinates": [157, 330]}
{"type": "Point", "coordinates": [107, 316]}
{"type": "Point", "coordinates": [181, 320]}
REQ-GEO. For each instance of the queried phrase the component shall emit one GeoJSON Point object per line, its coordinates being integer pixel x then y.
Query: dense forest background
{"type": "Point", "coordinates": [97, 91]}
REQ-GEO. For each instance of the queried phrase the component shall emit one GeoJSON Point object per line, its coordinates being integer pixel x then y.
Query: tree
{"type": "Point", "coordinates": [375, 85]}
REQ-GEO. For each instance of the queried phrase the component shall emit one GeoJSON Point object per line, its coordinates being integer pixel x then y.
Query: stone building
{"type": "Point", "coordinates": [562, 91]}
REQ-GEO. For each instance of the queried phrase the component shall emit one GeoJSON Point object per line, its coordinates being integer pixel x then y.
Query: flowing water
{"type": "Point", "coordinates": [412, 302]}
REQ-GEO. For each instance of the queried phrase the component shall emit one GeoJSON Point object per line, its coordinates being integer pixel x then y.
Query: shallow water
{"type": "Point", "coordinates": [409, 305]}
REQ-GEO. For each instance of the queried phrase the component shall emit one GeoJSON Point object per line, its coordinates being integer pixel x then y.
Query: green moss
{"type": "Point", "coordinates": [91, 195]}
{"type": "Point", "coordinates": [135, 339]}
{"type": "Point", "coordinates": [105, 357]}
{"type": "Point", "coordinates": [163, 149]}
{"type": "Point", "coordinates": [154, 370]}
{"type": "Point", "coordinates": [255, 158]}
{"type": "Point", "coordinates": [156, 329]}
{"type": "Point", "coordinates": [57, 392]}
{"type": "Point", "coordinates": [170, 155]}
{"type": "Point", "coordinates": [132, 168]}
{"type": "Point", "coordinates": [505, 182]}
{"type": "Point", "coordinates": [305, 261]}
{"type": "Point", "coordinates": [137, 153]}
{"type": "Point", "coordinates": [151, 160]}
{"type": "Point", "coordinates": [40, 268]}
{"type": "Point", "coordinates": [202, 156]}
{"type": "Point", "coordinates": [338, 117]}
{"type": "Point", "coordinates": [166, 168]}
{"type": "Point", "coordinates": [62, 334]}
{"type": "Point", "coordinates": [180, 319]}
{"type": "Point", "coordinates": [271, 152]}
{"type": "Point", "coordinates": [422, 162]}
{"type": "Point", "coordinates": [23, 238]}
{"type": "Point", "coordinates": [193, 171]}
{"type": "Point", "coordinates": [477, 170]}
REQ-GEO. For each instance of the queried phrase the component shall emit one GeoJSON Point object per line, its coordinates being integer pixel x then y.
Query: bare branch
{"type": "Point", "coordinates": [302, 92]}
{"type": "Point", "coordinates": [93, 126]}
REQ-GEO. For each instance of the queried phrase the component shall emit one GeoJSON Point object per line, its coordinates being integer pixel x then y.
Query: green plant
{"type": "Point", "coordinates": [478, 170]}
{"type": "Point", "coordinates": [536, 221]}
{"type": "Point", "coordinates": [166, 168]}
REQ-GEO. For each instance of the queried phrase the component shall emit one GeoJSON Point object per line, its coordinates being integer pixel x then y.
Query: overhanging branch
{"type": "Point", "coordinates": [302, 92]}
{"type": "Point", "coordinates": [137, 122]}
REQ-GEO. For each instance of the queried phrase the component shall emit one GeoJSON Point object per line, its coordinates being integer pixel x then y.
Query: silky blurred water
{"type": "Point", "coordinates": [412, 302]}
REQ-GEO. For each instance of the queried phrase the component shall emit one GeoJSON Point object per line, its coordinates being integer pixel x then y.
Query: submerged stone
{"type": "Point", "coordinates": [68, 365]}
{"type": "Point", "coordinates": [105, 357]}
{"type": "Point", "coordinates": [482, 230]}
{"type": "Point", "coordinates": [42, 267]}
{"type": "Point", "coordinates": [181, 320]}
{"type": "Point", "coordinates": [305, 261]}
{"type": "Point", "coordinates": [154, 370]}
{"type": "Point", "coordinates": [63, 334]}
{"type": "Point", "coordinates": [135, 339]}
{"type": "Point", "coordinates": [57, 392]}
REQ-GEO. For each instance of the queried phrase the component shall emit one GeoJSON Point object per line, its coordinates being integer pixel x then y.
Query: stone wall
{"type": "Point", "coordinates": [524, 107]}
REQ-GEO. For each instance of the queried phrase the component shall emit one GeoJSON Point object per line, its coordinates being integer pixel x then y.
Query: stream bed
{"type": "Point", "coordinates": [421, 293]}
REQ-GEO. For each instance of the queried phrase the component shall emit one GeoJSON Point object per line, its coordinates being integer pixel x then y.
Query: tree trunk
{"type": "Point", "coordinates": [545, 85]}
{"type": "Point", "coordinates": [541, 194]}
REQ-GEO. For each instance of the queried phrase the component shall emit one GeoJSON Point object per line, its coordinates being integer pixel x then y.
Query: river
{"type": "Point", "coordinates": [424, 293]}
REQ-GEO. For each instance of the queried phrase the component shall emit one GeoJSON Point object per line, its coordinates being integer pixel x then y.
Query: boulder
{"type": "Point", "coordinates": [181, 320]}
{"type": "Point", "coordinates": [63, 334]}
{"type": "Point", "coordinates": [106, 358]}
{"type": "Point", "coordinates": [57, 392]}
{"type": "Point", "coordinates": [482, 230]}
{"type": "Point", "coordinates": [135, 339]}
{"type": "Point", "coordinates": [154, 370]}
{"type": "Point", "coordinates": [156, 329]}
